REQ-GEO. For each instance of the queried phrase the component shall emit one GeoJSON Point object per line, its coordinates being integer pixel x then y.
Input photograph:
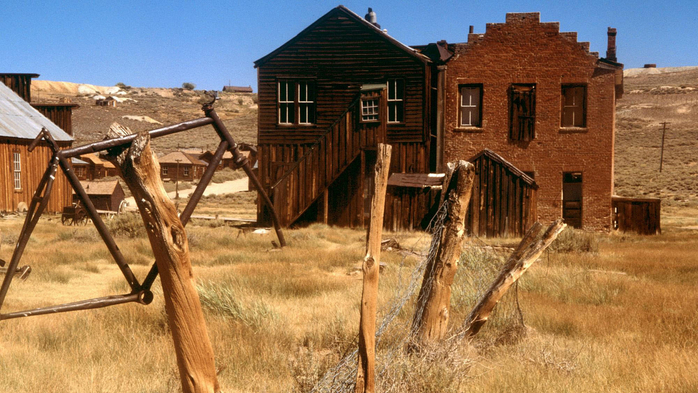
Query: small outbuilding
{"type": "Point", "coordinates": [641, 215]}
{"type": "Point", "coordinates": [181, 165]}
{"type": "Point", "coordinates": [105, 195]}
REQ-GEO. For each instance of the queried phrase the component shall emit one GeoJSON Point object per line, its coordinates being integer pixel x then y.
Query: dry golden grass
{"type": "Point", "coordinates": [622, 319]}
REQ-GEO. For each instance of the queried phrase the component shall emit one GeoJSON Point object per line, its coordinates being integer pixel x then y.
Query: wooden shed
{"type": "Point", "coordinates": [105, 195]}
{"type": "Point", "coordinates": [411, 200]}
{"type": "Point", "coordinates": [20, 170]}
{"type": "Point", "coordinates": [503, 202]}
{"type": "Point", "coordinates": [641, 215]}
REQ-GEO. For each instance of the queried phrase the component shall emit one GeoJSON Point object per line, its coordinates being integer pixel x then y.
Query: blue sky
{"type": "Point", "coordinates": [213, 43]}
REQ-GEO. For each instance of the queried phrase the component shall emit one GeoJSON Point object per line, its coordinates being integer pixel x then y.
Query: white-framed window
{"type": "Point", "coordinates": [470, 111]}
{"type": "Point", "coordinates": [296, 102]}
{"type": "Point", "coordinates": [306, 103]}
{"type": "Point", "coordinates": [573, 106]}
{"type": "Point", "coordinates": [165, 171]}
{"type": "Point", "coordinates": [285, 102]}
{"type": "Point", "coordinates": [17, 163]}
{"type": "Point", "coordinates": [370, 110]}
{"type": "Point", "coordinates": [396, 101]}
{"type": "Point", "coordinates": [186, 171]}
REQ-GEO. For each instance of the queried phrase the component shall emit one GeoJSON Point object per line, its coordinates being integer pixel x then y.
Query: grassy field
{"type": "Point", "coordinates": [621, 319]}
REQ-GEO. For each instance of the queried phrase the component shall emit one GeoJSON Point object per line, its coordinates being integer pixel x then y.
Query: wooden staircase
{"type": "Point", "coordinates": [324, 162]}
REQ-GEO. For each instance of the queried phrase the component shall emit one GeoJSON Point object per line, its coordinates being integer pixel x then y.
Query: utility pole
{"type": "Point", "coordinates": [177, 179]}
{"type": "Point", "coordinates": [661, 156]}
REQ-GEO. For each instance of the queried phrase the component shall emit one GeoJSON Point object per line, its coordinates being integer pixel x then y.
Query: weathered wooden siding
{"type": "Point", "coordinates": [641, 215]}
{"type": "Point", "coordinates": [19, 83]}
{"type": "Point", "coordinates": [502, 203]}
{"type": "Point", "coordinates": [340, 55]}
{"type": "Point", "coordinates": [409, 208]}
{"type": "Point", "coordinates": [33, 166]}
{"type": "Point", "coordinates": [60, 114]}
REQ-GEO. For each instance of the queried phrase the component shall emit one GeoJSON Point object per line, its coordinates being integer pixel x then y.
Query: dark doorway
{"type": "Point", "coordinates": [572, 198]}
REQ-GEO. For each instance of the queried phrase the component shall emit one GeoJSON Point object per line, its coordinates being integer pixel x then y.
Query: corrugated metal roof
{"type": "Point", "coordinates": [19, 120]}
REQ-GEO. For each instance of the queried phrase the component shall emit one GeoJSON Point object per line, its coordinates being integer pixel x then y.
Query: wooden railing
{"type": "Point", "coordinates": [321, 163]}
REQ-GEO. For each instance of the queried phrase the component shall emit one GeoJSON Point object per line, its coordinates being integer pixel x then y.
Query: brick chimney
{"type": "Point", "coordinates": [611, 51]}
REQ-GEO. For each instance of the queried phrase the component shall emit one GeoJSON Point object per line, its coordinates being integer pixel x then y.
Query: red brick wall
{"type": "Point", "coordinates": [523, 50]}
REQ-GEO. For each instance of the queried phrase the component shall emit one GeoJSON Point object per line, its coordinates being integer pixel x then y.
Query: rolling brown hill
{"type": "Point", "coordinates": [653, 96]}
{"type": "Point", "coordinates": [149, 108]}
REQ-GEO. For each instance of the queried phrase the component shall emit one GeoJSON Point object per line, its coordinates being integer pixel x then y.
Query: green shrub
{"type": "Point", "coordinates": [575, 240]}
{"type": "Point", "coordinates": [127, 224]}
{"type": "Point", "coordinates": [188, 86]}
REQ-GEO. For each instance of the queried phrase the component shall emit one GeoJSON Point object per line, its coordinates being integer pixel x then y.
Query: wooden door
{"type": "Point", "coordinates": [572, 198]}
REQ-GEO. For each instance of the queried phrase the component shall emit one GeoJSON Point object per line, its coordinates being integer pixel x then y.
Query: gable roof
{"type": "Point", "coordinates": [353, 16]}
{"type": "Point", "coordinates": [18, 119]}
{"type": "Point", "coordinates": [184, 158]}
{"type": "Point", "coordinates": [497, 158]}
{"type": "Point", "coordinates": [100, 187]}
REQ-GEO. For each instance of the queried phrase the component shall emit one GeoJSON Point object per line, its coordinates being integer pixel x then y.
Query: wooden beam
{"type": "Point", "coordinates": [434, 302]}
{"type": "Point", "coordinates": [528, 251]}
{"type": "Point", "coordinates": [365, 376]}
{"type": "Point", "coordinates": [141, 172]}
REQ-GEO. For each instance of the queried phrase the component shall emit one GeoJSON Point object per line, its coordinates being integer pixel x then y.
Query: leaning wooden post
{"type": "Point", "coordinates": [141, 172]}
{"type": "Point", "coordinates": [365, 376]}
{"type": "Point", "coordinates": [430, 320]}
{"type": "Point", "coordinates": [528, 251]}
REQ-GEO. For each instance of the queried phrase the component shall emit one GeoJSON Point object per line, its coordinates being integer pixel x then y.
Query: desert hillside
{"type": "Point", "coordinates": [148, 108]}
{"type": "Point", "coordinates": [653, 96]}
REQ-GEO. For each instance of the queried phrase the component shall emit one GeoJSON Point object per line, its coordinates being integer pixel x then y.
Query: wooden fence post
{"type": "Point", "coordinates": [431, 317]}
{"type": "Point", "coordinates": [520, 260]}
{"type": "Point", "coordinates": [141, 172]}
{"type": "Point", "coordinates": [365, 376]}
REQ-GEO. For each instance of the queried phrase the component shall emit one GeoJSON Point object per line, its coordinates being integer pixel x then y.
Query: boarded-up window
{"type": "Point", "coordinates": [522, 112]}
{"type": "Point", "coordinates": [470, 111]}
{"type": "Point", "coordinates": [17, 161]}
{"type": "Point", "coordinates": [573, 106]}
{"type": "Point", "coordinates": [396, 101]}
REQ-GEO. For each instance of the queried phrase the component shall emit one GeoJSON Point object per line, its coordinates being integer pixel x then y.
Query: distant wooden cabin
{"type": "Point", "coordinates": [326, 98]}
{"type": "Point", "coordinates": [189, 165]}
{"type": "Point", "coordinates": [21, 171]}
{"type": "Point", "coordinates": [106, 101]}
{"type": "Point", "coordinates": [503, 201]}
{"type": "Point", "coordinates": [237, 89]}
{"type": "Point", "coordinates": [248, 151]}
{"type": "Point", "coordinates": [80, 167]}
{"type": "Point", "coordinates": [105, 195]}
{"type": "Point", "coordinates": [95, 169]}
{"type": "Point", "coordinates": [640, 215]}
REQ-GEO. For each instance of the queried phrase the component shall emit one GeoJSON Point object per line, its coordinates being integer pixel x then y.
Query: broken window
{"type": "Point", "coordinates": [369, 109]}
{"type": "Point", "coordinates": [522, 112]}
{"type": "Point", "coordinates": [17, 161]}
{"type": "Point", "coordinates": [396, 101]}
{"type": "Point", "coordinates": [573, 106]}
{"type": "Point", "coordinates": [296, 97]}
{"type": "Point", "coordinates": [470, 111]}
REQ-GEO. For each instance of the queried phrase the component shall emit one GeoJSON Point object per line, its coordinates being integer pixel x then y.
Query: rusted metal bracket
{"type": "Point", "coordinates": [140, 292]}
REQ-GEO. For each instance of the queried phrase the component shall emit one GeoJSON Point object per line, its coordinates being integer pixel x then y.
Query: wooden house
{"type": "Point", "coordinates": [180, 166]}
{"type": "Point", "coordinates": [95, 168]}
{"type": "Point", "coordinates": [105, 195]}
{"type": "Point", "coordinates": [237, 89]}
{"type": "Point", "coordinates": [21, 171]}
{"type": "Point", "coordinates": [60, 113]}
{"type": "Point", "coordinates": [326, 98]}
{"type": "Point", "coordinates": [80, 167]}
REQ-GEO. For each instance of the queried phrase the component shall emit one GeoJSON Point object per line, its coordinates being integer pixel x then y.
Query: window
{"type": "Point", "coordinates": [186, 171]}
{"type": "Point", "coordinates": [573, 106]}
{"type": "Point", "coordinates": [17, 161]}
{"type": "Point", "coordinates": [165, 171]}
{"type": "Point", "coordinates": [369, 110]}
{"type": "Point", "coordinates": [285, 102]}
{"type": "Point", "coordinates": [80, 172]}
{"type": "Point", "coordinates": [396, 101]}
{"type": "Point", "coordinates": [522, 112]}
{"type": "Point", "coordinates": [470, 111]}
{"type": "Point", "coordinates": [296, 102]}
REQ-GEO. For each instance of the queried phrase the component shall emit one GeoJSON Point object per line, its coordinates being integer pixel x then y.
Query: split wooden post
{"type": "Point", "coordinates": [365, 376]}
{"type": "Point", "coordinates": [141, 172]}
{"type": "Point", "coordinates": [431, 317]}
{"type": "Point", "coordinates": [528, 251]}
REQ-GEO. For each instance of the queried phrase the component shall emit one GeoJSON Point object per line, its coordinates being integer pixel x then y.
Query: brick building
{"type": "Point", "coordinates": [541, 100]}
